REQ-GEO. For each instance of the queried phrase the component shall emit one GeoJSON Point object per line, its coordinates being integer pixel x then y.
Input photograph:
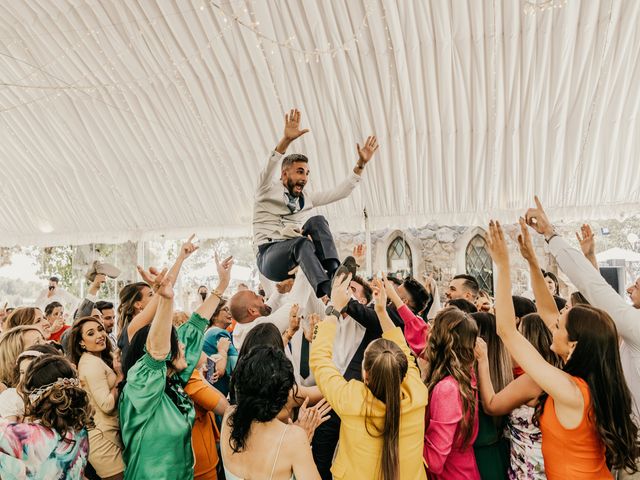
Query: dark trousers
{"type": "Point", "coordinates": [325, 440]}
{"type": "Point", "coordinates": [317, 257]}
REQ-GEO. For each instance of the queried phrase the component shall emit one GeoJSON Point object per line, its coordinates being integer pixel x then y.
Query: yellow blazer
{"type": "Point", "coordinates": [359, 454]}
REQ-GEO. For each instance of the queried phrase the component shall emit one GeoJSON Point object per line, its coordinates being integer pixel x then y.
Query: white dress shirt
{"type": "Point", "coordinates": [600, 294]}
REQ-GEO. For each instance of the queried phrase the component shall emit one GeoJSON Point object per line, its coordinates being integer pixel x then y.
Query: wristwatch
{"type": "Point", "coordinates": [330, 310]}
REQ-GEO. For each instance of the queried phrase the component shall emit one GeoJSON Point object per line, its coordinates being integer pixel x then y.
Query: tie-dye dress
{"type": "Point", "coordinates": [32, 451]}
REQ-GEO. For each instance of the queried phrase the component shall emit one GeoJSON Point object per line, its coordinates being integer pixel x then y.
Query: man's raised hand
{"type": "Point", "coordinates": [366, 152]}
{"type": "Point", "coordinates": [292, 125]}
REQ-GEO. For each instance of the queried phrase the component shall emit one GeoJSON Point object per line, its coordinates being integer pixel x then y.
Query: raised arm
{"type": "Point", "coordinates": [587, 279]}
{"type": "Point", "coordinates": [159, 338]}
{"type": "Point", "coordinates": [291, 132]}
{"type": "Point", "coordinates": [519, 392]}
{"type": "Point", "coordinates": [209, 306]}
{"type": "Point", "coordinates": [588, 244]}
{"type": "Point", "coordinates": [88, 302]}
{"type": "Point", "coordinates": [545, 303]}
{"type": "Point", "coordinates": [566, 394]}
{"type": "Point", "coordinates": [145, 317]}
{"type": "Point", "coordinates": [415, 328]}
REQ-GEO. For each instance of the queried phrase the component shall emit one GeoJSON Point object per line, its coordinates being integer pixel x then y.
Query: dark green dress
{"type": "Point", "coordinates": [156, 415]}
{"type": "Point", "coordinates": [491, 448]}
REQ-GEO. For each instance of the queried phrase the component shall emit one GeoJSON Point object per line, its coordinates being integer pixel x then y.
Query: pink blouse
{"type": "Point", "coordinates": [415, 330]}
{"type": "Point", "coordinates": [445, 457]}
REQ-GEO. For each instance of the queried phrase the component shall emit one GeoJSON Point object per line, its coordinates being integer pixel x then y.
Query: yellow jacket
{"type": "Point", "coordinates": [359, 453]}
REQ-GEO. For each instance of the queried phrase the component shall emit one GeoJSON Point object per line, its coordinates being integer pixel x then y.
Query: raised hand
{"type": "Point", "coordinates": [379, 288]}
{"type": "Point", "coordinates": [497, 244]}
{"type": "Point", "coordinates": [340, 292]}
{"type": "Point", "coordinates": [164, 285]}
{"type": "Point", "coordinates": [224, 270]}
{"type": "Point", "coordinates": [525, 244]}
{"type": "Point", "coordinates": [366, 152]}
{"type": "Point", "coordinates": [292, 125]}
{"type": "Point", "coordinates": [359, 253]}
{"type": "Point", "coordinates": [188, 248]}
{"type": "Point", "coordinates": [314, 319]}
{"type": "Point", "coordinates": [537, 219]}
{"type": "Point", "coordinates": [294, 319]}
{"type": "Point", "coordinates": [480, 350]}
{"type": "Point", "coordinates": [148, 276]}
{"type": "Point", "coordinates": [311, 418]}
{"type": "Point", "coordinates": [587, 240]}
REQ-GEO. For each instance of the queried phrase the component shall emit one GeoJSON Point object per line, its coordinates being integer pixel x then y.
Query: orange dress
{"type": "Point", "coordinates": [205, 432]}
{"type": "Point", "coordinates": [576, 453]}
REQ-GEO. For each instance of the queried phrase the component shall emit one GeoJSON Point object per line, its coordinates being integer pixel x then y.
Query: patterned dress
{"type": "Point", "coordinates": [32, 451]}
{"type": "Point", "coordinates": [526, 446]}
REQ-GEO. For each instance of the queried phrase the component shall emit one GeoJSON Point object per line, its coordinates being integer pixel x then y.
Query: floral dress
{"type": "Point", "coordinates": [526, 446]}
{"type": "Point", "coordinates": [32, 451]}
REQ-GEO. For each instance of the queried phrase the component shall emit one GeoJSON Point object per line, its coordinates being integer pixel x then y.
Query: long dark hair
{"type": "Point", "coordinates": [500, 366]}
{"type": "Point", "coordinates": [450, 351]}
{"type": "Point", "coordinates": [63, 408]}
{"type": "Point", "coordinates": [75, 351]}
{"type": "Point", "coordinates": [262, 380]}
{"type": "Point", "coordinates": [129, 295]}
{"type": "Point", "coordinates": [533, 328]}
{"type": "Point", "coordinates": [386, 366]}
{"type": "Point", "coordinates": [596, 360]}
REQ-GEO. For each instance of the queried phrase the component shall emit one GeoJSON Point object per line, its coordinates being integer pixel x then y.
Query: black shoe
{"type": "Point", "coordinates": [348, 266]}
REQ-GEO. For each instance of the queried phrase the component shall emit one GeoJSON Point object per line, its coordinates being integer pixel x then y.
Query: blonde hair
{"type": "Point", "coordinates": [11, 346]}
{"type": "Point", "coordinates": [21, 316]}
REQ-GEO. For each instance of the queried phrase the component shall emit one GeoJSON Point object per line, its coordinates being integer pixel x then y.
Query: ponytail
{"type": "Point", "coordinates": [386, 366]}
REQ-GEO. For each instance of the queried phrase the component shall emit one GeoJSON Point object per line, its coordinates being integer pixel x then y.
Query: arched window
{"type": "Point", "coordinates": [478, 263]}
{"type": "Point", "coordinates": [399, 258]}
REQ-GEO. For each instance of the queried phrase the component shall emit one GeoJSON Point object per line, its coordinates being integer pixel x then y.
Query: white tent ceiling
{"type": "Point", "coordinates": [123, 119]}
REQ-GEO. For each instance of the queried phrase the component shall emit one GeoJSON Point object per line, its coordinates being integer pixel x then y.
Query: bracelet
{"type": "Point", "coordinates": [554, 235]}
{"type": "Point", "coordinates": [216, 294]}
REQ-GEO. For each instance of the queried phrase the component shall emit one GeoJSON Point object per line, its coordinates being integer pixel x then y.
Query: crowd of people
{"type": "Point", "coordinates": [323, 373]}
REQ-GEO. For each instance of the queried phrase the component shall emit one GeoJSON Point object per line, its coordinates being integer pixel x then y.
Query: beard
{"type": "Point", "coordinates": [265, 310]}
{"type": "Point", "coordinates": [291, 187]}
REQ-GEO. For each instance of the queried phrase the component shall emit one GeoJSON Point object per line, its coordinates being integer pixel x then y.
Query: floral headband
{"type": "Point", "coordinates": [35, 395]}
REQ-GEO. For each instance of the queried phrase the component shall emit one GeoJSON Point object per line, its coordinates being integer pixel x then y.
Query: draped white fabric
{"type": "Point", "coordinates": [127, 119]}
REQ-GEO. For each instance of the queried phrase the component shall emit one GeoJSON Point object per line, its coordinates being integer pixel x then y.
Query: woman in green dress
{"type": "Point", "coordinates": [156, 415]}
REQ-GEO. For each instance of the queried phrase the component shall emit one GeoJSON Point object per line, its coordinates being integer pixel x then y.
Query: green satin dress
{"type": "Point", "coordinates": [156, 415]}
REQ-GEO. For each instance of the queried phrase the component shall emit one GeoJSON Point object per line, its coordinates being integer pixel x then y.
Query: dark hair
{"type": "Point", "coordinates": [533, 328]}
{"type": "Point", "coordinates": [578, 299]}
{"type": "Point", "coordinates": [366, 288]}
{"type": "Point", "coordinates": [470, 283]}
{"type": "Point", "coordinates": [262, 334]}
{"type": "Point", "coordinates": [63, 408]}
{"type": "Point", "coordinates": [48, 310]}
{"type": "Point", "coordinates": [500, 366]}
{"type": "Point", "coordinates": [451, 351]}
{"type": "Point", "coordinates": [293, 158]}
{"type": "Point", "coordinates": [523, 306]}
{"type": "Point", "coordinates": [221, 304]}
{"type": "Point", "coordinates": [54, 279]}
{"type": "Point", "coordinates": [419, 295]}
{"type": "Point", "coordinates": [129, 295]}
{"type": "Point", "coordinates": [75, 351]}
{"type": "Point", "coordinates": [462, 304]}
{"type": "Point", "coordinates": [103, 305]}
{"type": "Point", "coordinates": [553, 277]}
{"type": "Point", "coordinates": [596, 360]}
{"type": "Point", "coordinates": [386, 366]}
{"type": "Point", "coordinates": [44, 348]}
{"type": "Point", "coordinates": [395, 280]}
{"type": "Point", "coordinates": [560, 302]}
{"type": "Point", "coordinates": [262, 380]}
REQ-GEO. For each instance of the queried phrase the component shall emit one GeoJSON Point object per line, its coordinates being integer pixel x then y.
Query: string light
{"type": "Point", "coordinates": [533, 7]}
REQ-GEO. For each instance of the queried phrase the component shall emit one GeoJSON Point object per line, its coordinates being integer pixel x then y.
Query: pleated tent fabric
{"type": "Point", "coordinates": [124, 120]}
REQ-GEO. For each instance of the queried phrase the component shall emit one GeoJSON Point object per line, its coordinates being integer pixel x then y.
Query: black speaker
{"type": "Point", "coordinates": [614, 277]}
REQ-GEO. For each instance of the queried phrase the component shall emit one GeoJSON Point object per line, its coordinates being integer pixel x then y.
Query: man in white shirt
{"type": "Point", "coordinates": [284, 232]}
{"type": "Point", "coordinates": [54, 293]}
{"type": "Point", "coordinates": [594, 287]}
